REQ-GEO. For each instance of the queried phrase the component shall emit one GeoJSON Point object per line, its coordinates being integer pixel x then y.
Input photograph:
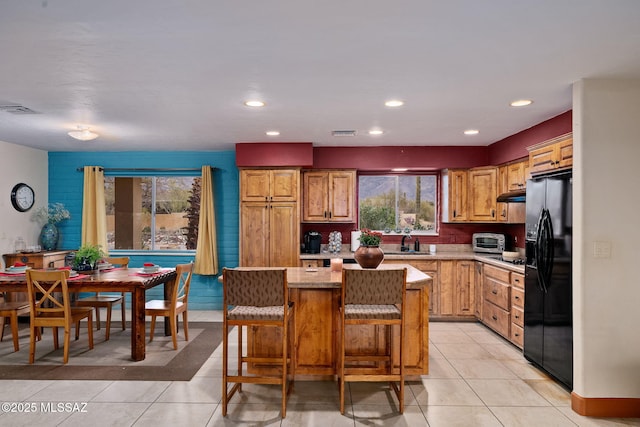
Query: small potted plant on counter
{"type": "Point", "coordinates": [369, 254]}
{"type": "Point", "coordinates": [87, 257]}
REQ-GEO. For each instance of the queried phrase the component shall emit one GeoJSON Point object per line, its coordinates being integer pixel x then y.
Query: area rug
{"type": "Point", "coordinates": [111, 360]}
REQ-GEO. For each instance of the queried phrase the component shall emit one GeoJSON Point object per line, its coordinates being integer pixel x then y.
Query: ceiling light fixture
{"type": "Point", "coordinates": [399, 169]}
{"type": "Point", "coordinates": [521, 103]}
{"type": "Point", "coordinates": [272, 132]}
{"type": "Point", "coordinates": [254, 103]}
{"type": "Point", "coordinates": [394, 103]}
{"type": "Point", "coordinates": [376, 132]}
{"type": "Point", "coordinates": [83, 134]}
{"type": "Point", "coordinates": [471, 132]}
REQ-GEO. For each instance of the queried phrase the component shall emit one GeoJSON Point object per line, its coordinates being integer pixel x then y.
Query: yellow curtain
{"type": "Point", "coordinates": [206, 262]}
{"type": "Point", "coordinates": [94, 216]}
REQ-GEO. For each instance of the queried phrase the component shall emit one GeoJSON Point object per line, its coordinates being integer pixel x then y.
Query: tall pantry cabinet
{"type": "Point", "coordinates": [269, 217]}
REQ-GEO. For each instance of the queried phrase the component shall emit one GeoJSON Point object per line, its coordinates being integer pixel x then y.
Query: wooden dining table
{"type": "Point", "coordinates": [131, 280]}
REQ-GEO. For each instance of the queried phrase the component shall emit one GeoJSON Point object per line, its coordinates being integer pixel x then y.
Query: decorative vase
{"type": "Point", "coordinates": [49, 236]}
{"type": "Point", "coordinates": [368, 256]}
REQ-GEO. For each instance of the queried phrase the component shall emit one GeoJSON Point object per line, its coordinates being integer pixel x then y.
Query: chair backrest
{"type": "Point", "coordinates": [183, 282]}
{"type": "Point", "coordinates": [259, 287]}
{"type": "Point", "coordinates": [118, 261]}
{"type": "Point", "coordinates": [373, 286]}
{"type": "Point", "coordinates": [48, 293]}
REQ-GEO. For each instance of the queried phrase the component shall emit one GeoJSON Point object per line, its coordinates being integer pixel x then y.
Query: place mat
{"type": "Point", "coordinates": [111, 360]}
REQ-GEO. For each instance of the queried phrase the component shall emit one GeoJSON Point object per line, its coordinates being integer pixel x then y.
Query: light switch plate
{"type": "Point", "coordinates": [602, 249]}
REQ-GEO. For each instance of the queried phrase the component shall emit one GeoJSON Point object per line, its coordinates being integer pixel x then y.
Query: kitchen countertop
{"type": "Point", "coordinates": [440, 255]}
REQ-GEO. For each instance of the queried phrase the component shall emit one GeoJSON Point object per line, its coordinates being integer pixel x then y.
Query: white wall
{"type": "Point", "coordinates": [20, 164]}
{"type": "Point", "coordinates": [606, 302]}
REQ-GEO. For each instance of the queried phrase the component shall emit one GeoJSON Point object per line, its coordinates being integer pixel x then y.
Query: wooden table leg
{"type": "Point", "coordinates": [168, 288]}
{"type": "Point", "coordinates": [138, 333]}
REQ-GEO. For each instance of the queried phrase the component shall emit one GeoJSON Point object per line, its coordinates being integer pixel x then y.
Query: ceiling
{"type": "Point", "coordinates": [173, 75]}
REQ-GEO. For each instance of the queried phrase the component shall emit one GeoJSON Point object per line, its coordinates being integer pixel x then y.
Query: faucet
{"type": "Point", "coordinates": [404, 248]}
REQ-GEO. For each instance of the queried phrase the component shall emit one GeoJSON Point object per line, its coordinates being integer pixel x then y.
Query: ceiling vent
{"type": "Point", "coordinates": [16, 109]}
{"type": "Point", "coordinates": [343, 133]}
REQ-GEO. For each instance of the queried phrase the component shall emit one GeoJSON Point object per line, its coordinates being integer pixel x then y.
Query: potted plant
{"type": "Point", "coordinates": [87, 257]}
{"type": "Point", "coordinates": [49, 216]}
{"type": "Point", "coordinates": [369, 254]}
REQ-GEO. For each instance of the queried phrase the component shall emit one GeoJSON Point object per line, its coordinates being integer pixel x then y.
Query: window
{"type": "Point", "coordinates": [398, 203]}
{"type": "Point", "coordinates": [152, 212]}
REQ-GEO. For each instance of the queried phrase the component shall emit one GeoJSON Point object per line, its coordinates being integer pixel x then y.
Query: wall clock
{"type": "Point", "coordinates": [22, 197]}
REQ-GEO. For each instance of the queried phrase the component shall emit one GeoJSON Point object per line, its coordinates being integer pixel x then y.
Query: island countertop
{"type": "Point", "coordinates": [323, 277]}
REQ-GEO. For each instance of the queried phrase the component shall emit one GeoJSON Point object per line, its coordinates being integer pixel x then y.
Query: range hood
{"type": "Point", "coordinates": [517, 196]}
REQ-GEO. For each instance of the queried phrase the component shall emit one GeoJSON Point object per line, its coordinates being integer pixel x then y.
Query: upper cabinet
{"type": "Point", "coordinates": [517, 175]}
{"type": "Point", "coordinates": [328, 196]}
{"type": "Point", "coordinates": [270, 185]}
{"type": "Point", "coordinates": [470, 195]}
{"type": "Point", "coordinates": [482, 194]}
{"type": "Point", "coordinates": [556, 153]}
{"type": "Point", "coordinates": [455, 191]}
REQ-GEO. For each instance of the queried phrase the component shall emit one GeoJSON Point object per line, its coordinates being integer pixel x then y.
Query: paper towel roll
{"type": "Point", "coordinates": [355, 242]}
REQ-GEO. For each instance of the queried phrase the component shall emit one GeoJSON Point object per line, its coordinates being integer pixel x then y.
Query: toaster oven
{"type": "Point", "coordinates": [493, 243]}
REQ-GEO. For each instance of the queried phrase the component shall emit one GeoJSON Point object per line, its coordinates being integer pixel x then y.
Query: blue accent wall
{"type": "Point", "coordinates": [66, 186]}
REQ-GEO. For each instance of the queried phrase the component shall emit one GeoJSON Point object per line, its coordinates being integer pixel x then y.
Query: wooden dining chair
{"type": "Point", "coordinates": [258, 298]}
{"type": "Point", "coordinates": [374, 297]}
{"type": "Point", "coordinates": [98, 300]}
{"type": "Point", "coordinates": [10, 310]}
{"type": "Point", "coordinates": [50, 307]}
{"type": "Point", "coordinates": [175, 305]}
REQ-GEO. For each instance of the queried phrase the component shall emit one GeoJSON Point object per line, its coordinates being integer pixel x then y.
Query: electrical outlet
{"type": "Point", "coordinates": [602, 249]}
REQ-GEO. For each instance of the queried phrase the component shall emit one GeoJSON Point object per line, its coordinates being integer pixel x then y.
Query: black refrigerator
{"type": "Point", "coordinates": [548, 324]}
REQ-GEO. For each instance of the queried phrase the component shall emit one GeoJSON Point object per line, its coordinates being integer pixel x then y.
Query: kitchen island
{"type": "Point", "coordinates": [316, 293]}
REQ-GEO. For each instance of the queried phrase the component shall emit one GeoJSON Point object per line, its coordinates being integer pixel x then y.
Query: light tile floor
{"type": "Point", "coordinates": [476, 379]}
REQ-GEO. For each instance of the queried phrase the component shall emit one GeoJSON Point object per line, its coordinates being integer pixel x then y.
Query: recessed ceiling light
{"type": "Point", "coordinates": [272, 132]}
{"type": "Point", "coordinates": [376, 132]}
{"type": "Point", "coordinates": [471, 132]}
{"type": "Point", "coordinates": [521, 103]}
{"type": "Point", "coordinates": [254, 103]}
{"type": "Point", "coordinates": [399, 169]}
{"type": "Point", "coordinates": [394, 103]}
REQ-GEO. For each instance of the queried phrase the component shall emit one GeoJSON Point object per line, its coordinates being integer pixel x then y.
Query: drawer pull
{"type": "Point", "coordinates": [517, 297]}
{"type": "Point", "coordinates": [517, 334]}
{"type": "Point", "coordinates": [494, 317]}
{"type": "Point", "coordinates": [517, 317]}
{"type": "Point", "coordinates": [495, 292]}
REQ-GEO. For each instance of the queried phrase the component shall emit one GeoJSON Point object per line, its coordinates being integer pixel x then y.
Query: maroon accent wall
{"type": "Point", "coordinates": [412, 157]}
{"type": "Point", "coordinates": [259, 154]}
{"type": "Point", "coordinates": [515, 146]}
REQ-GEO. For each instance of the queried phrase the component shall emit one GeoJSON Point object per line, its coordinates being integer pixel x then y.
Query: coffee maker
{"type": "Point", "coordinates": [312, 242]}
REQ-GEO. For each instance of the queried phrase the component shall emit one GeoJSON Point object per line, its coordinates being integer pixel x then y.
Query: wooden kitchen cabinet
{"type": "Point", "coordinates": [271, 185]}
{"type": "Point", "coordinates": [456, 288]}
{"type": "Point", "coordinates": [455, 196]}
{"type": "Point", "coordinates": [517, 309]}
{"type": "Point", "coordinates": [516, 175]}
{"type": "Point", "coordinates": [269, 218]}
{"type": "Point", "coordinates": [479, 277]}
{"type": "Point", "coordinates": [554, 154]}
{"type": "Point", "coordinates": [328, 196]}
{"type": "Point", "coordinates": [483, 192]}
{"type": "Point", "coordinates": [497, 299]}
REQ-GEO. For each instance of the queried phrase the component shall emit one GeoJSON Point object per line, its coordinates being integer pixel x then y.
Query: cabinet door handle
{"type": "Point", "coordinates": [517, 297]}
{"type": "Point", "coordinates": [330, 215]}
{"type": "Point", "coordinates": [493, 213]}
{"type": "Point", "coordinates": [325, 214]}
{"type": "Point", "coordinates": [454, 213]}
{"type": "Point", "coordinates": [494, 317]}
{"type": "Point", "coordinates": [517, 317]}
{"type": "Point", "coordinates": [517, 334]}
{"type": "Point", "coordinates": [494, 291]}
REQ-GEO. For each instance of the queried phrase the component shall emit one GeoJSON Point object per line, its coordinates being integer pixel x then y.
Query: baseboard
{"type": "Point", "coordinates": [605, 406]}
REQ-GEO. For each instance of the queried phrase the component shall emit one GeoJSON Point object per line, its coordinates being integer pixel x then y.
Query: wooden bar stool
{"type": "Point", "coordinates": [257, 298]}
{"type": "Point", "coordinates": [377, 298]}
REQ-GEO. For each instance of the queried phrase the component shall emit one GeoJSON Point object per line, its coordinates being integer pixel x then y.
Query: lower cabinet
{"type": "Point", "coordinates": [456, 289]}
{"type": "Point", "coordinates": [503, 303]}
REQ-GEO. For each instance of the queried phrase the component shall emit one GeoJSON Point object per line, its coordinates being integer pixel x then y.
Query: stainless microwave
{"type": "Point", "coordinates": [493, 243]}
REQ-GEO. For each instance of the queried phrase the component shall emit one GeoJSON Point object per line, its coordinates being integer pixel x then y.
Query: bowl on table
{"type": "Point", "coordinates": [511, 255]}
{"type": "Point", "coordinates": [150, 268]}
